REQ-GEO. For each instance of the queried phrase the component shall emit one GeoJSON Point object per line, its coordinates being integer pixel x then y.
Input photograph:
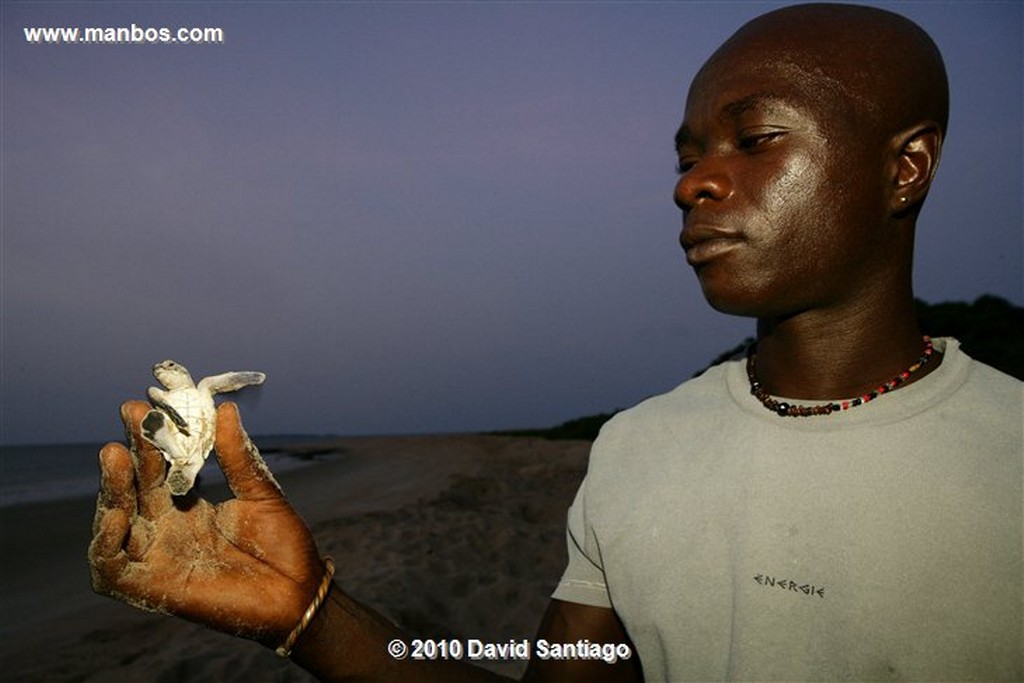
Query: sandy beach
{"type": "Point", "coordinates": [448, 536]}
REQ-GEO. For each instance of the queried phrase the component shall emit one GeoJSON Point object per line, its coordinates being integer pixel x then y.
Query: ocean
{"type": "Point", "coordinates": [33, 474]}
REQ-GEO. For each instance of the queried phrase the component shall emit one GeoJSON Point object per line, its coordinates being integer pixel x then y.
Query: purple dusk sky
{"type": "Point", "coordinates": [413, 217]}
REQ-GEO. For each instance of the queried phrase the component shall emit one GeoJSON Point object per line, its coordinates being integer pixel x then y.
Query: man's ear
{"type": "Point", "coordinates": [917, 151]}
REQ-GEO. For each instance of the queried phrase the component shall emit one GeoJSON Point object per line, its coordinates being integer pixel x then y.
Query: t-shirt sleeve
{"type": "Point", "coordinates": [583, 581]}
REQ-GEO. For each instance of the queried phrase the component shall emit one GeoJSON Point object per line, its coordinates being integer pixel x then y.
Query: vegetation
{"type": "Point", "coordinates": [990, 330]}
{"type": "Point", "coordinates": [582, 428]}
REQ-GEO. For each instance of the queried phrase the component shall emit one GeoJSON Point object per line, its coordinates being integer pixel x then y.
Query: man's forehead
{"type": "Point", "coordinates": [788, 74]}
{"type": "Point", "coordinates": [731, 84]}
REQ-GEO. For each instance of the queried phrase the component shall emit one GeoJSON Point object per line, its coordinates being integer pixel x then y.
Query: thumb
{"type": "Point", "coordinates": [243, 466]}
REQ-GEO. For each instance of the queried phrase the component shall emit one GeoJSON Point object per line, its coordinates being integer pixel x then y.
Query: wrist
{"type": "Point", "coordinates": [309, 615]}
{"type": "Point", "coordinates": [345, 640]}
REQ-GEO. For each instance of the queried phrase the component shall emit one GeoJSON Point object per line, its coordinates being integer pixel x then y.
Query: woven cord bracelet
{"type": "Point", "coordinates": [285, 649]}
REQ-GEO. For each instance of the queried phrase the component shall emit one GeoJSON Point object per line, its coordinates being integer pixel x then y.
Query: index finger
{"type": "Point", "coordinates": [244, 468]}
{"type": "Point", "coordinates": [153, 497]}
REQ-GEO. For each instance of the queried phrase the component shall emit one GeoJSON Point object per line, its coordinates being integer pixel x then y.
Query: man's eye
{"type": "Point", "coordinates": [684, 165]}
{"type": "Point", "coordinates": [753, 141]}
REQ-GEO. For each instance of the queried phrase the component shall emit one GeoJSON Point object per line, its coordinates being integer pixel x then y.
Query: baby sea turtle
{"type": "Point", "coordinates": [183, 421]}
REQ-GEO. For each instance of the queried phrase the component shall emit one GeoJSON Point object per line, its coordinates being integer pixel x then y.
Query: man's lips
{"type": "Point", "coordinates": [703, 243]}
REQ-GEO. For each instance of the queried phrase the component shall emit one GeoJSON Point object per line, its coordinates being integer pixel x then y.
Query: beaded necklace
{"type": "Point", "coordinates": [784, 409]}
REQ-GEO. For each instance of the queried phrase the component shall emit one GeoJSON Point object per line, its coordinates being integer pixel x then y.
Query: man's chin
{"type": "Point", "coordinates": [726, 297]}
{"type": "Point", "coordinates": [745, 302]}
{"type": "Point", "coordinates": [733, 308]}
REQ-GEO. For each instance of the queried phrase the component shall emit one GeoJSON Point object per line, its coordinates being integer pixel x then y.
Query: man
{"type": "Point", "coordinates": [844, 503]}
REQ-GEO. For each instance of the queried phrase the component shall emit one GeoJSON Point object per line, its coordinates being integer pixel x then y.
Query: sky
{"type": "Point", "coordinates": [413, 217]}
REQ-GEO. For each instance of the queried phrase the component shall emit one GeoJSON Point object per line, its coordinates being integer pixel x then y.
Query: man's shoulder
{"type": "Point", "coordinates": [992, 392]}
{"type": "Point", "coordinates": [987, 377]}
{"type": "Point", "coordinates": [694, 399]}
{"type": "Point", "coordinates": [634, 447]}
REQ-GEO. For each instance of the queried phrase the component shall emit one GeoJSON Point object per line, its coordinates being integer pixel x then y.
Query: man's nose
{"type": "Point", "coordinates": [706, 180]}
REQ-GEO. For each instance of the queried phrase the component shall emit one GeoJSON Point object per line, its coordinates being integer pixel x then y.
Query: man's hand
{"type": "Point", "coordinates": [247, 566]}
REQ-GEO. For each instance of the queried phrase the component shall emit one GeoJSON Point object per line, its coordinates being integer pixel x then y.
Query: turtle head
{"type": "Point", "coordinates": [172, 375]}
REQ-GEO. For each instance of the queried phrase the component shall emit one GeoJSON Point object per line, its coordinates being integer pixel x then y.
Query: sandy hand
{"type": "Point", "coordinates": [247, 566]}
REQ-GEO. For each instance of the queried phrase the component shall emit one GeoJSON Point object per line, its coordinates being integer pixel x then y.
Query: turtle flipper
{"type": "Point", "coordinates": [158, 398]}
{"type": "Point", "coordinates": [158, 431]}
{"type": "Point", "coordinates": [230, 381]}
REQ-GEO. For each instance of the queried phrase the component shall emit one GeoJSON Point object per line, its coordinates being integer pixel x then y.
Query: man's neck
{"type": "Point", "coordinates": [843, 352]}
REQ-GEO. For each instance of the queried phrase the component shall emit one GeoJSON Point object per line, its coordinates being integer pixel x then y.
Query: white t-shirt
{"type": "Point", "coordinates": [879, 543]}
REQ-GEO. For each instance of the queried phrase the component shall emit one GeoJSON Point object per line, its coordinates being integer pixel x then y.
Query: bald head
{"type": "Point", "coordinates": [880, 69]}
{"type": "Point", "coordinates": [810, 140]}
